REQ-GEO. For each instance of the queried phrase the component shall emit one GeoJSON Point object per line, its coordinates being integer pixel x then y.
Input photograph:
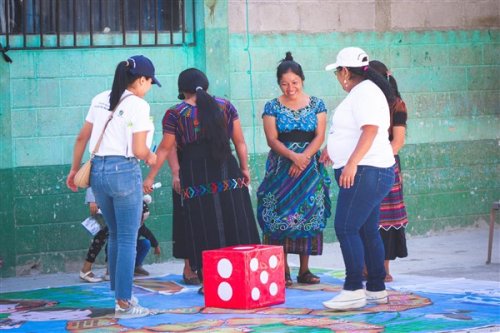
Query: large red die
{"type": "Point", "coordinates": [244, 276]}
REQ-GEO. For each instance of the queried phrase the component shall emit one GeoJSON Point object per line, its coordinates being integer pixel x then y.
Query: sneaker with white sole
{"type": "Point", "coordinates": [89, 277]}
{"type": "Point", "coordinates": [133, 311]}
{"type": "Point", "coordinates": [134, 300]}
{"type": "Point", "coordinates": [379, 297]}
{"type": "Point", "coordinates": [347, 299]}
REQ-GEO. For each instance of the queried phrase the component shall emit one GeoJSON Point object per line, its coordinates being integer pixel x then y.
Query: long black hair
{"type": "Point", "coordinates": [123, 78]}
{"type": "Point", "coordinates": [210, 117]}
{"type": "Point", "coordinates": [384, 71]}
{"type": "Point", "coordinates": [369, 73]}
{"type": "Point", "coordinates": [289, 65]}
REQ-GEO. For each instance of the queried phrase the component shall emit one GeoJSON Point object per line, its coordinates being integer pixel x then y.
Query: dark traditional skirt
{"type": "Point", "coordinates": [216, 205]}
{"type": "Point", "coordinates": [394, 243]}
{"type": "Point", "coordinates": [393, 219]}
{"type": "Point", "coordinates": [179, 246]}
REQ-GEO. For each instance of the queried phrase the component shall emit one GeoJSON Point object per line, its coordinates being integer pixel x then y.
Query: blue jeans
{"type": "Point", "coordinates": [117, 185]}
{"type": "Point", "coordinates": [143, 246]}
{"type": "Point", "coordinates": [356, 226]}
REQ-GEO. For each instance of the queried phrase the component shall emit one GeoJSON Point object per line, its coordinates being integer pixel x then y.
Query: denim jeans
{"type": "Point", "coordinates": [356, 226]}
{"type": "Point", "coordinates": [143, 246]}
{"type": "Point", "coordinates": [117, 185]}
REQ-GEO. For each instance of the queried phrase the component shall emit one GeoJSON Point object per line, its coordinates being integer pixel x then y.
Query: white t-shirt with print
{"type": "Point", "coordinates": [131, 116]}
{"type": "Point", "coordinates": [364, 105]}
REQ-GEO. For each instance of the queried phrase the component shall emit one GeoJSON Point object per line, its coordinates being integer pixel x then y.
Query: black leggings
{"type": "Point", "coordinates": [97, 243]}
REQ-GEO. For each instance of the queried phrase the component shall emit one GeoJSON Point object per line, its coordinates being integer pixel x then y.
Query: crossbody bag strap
{"type": "Point", "coordinates": [96, 149]}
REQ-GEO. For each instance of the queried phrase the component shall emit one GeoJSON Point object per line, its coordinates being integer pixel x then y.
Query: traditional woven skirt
{"type": "Point", "coordinates": [394, 243]}
{"type": "Point", "coordinates": [304, 246]}
{"type": "Point", "coordinates": [216, 205]}
{"type": "Point", "coordinates": [393, 219]}
{"type": "Point", "coordinates": [292, 211]}
{"type": "Point", "coordinates": [179, 246]}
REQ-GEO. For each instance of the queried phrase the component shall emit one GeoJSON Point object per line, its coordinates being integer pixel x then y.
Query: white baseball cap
{"type": "Point", "coordinates": [350, 57]}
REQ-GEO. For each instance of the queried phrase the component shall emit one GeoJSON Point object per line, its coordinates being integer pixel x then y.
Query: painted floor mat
{"type": "Point", "coordinates": [422, 306]}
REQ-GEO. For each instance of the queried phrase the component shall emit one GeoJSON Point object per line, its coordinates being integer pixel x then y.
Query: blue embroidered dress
{"type": "Point", "coordinates": [294, 209]}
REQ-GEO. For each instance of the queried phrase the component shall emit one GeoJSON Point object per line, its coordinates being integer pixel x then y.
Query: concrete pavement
{"type": "Point", "coordinates": [452, 254]}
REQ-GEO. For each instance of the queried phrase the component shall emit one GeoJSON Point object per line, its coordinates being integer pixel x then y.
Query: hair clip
{"type": "Point", "coordinates": [132, 62]}
{"type": "Point", "coordinates": [199, 88]}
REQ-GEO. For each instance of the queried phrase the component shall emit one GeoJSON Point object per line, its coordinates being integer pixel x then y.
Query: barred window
{"type": "Point", "coordinates": [33, 24]}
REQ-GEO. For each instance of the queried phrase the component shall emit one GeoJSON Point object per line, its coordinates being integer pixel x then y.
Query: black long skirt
{"type": "Point", "coordinates": [215, 204]}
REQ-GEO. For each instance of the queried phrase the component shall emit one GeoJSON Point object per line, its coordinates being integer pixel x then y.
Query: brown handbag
{"type": "Point", "coordinates": [82, 176]}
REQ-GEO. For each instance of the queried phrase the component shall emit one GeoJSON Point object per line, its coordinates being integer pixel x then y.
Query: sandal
{"type": "Point", "coordinates": [288, 280]}
{"type": "Point", "coordinates": [192, 281]}
{"type": "Point", "coordinates": [308, 278]}
{"type": "Point", "coordinates": [89, 277]}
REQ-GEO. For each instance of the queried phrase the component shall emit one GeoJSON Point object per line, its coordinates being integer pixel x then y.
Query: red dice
{"type": "Point", "coordinates": [244, 276]}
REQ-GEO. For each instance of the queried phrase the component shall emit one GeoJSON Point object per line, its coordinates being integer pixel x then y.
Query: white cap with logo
{"type": "Point", "coordinates": [350, 57]}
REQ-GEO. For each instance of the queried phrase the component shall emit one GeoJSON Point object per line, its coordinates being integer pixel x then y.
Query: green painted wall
{"type": "Point", "coordinates": [449, 80]}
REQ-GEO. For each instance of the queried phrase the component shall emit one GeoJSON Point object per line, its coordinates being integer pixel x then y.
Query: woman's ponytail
{"type": "Point", "coordinates": [122, 79]}
{"type": "Point", "coordinates": [212, 124]}
{"type": "Point", "coordinates": [210, 116]}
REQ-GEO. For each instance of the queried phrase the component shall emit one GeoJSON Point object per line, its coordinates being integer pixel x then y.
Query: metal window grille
{"type": "Point", "coordinates": [46, 24]}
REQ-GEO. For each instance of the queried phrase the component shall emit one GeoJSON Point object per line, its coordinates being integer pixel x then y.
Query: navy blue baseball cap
{"type": "Point", "coordinates": [140, 65]}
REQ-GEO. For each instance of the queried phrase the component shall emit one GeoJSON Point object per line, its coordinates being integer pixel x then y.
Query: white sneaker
{"type": "Point", "coordinates": [134, 300]}
{"type": "Point", "coordinates": [89, 277]}
{"type": "Point", "coordinates": [347, 299]}
{"type": "Point", "coordinates": [133, 311]}
{"type": "Point", "coordinates": [379, 297]}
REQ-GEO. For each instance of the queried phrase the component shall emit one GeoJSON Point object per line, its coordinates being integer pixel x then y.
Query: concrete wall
{"type": "Point", "coordinates": [317, 16]}
{"type": "Point", "coordinates": [447, 67]}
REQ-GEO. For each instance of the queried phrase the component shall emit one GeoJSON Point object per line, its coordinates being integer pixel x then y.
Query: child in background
{"type": "Point", "coordinates": [98, 242]}
{"type": "Point", "coordinates": [145, 240]}
{"type": "Point", "coordinates": [145, 243]}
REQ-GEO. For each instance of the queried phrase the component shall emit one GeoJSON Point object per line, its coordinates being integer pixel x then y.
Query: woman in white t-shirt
{"type": "Point", "coordinates": [359, 147]}
{"type": "Point", "coordinates": [116, 177]}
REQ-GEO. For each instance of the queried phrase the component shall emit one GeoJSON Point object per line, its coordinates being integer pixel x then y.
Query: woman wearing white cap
{"type": "Point", "coordinates": [359, 147]}
{"type": "Point", "coordinates": [119, 131]}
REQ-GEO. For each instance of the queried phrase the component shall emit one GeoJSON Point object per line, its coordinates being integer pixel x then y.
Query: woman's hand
{"type": "Point", "coordinates": [301, 160]}
{"type": "Point", "coordinates": [176, 183]}
{"type": "Point", "coordinates": [346, 179]}
{"type": "Point", "coordinates": [157, 250]}
{"type": "Point", "coordinates": [70, 180]}
{"type": "Point", "coordinates": [325, 158]}
{"type": "Point", "coordinates": [147, 185]}
{"type": "Point", "coordinates": [151, 159]}
{"type": "Point", "coordinates": [246, 175]}
{"type": "Point", "coordinates": [294, 171]}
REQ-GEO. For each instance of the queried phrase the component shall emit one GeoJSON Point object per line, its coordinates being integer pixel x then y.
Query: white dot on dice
{"type": "Point", "coordinates": [273, 261]}
{"type": "Point", "coordinates": [273, 289]}
{"type": "Point", "coordinates": [255, 294]}
{"type": "Point", "coordinates": [264, 277]}
{"type": "Point", "coordinates": [224, 268]}
{"type": "Point", "coordinates": [254, 264]}
{"type": "Point", "coordinates": [225, 291]}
